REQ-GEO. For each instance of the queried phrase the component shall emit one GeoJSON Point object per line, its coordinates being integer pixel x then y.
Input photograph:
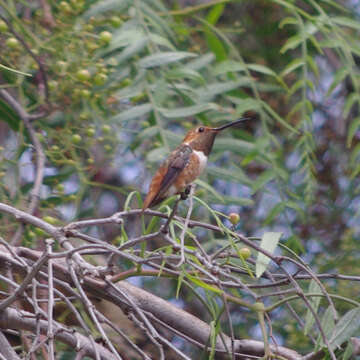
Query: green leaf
{"type": "Point", "coordinates": [13, 70]}
{"type": "Point", "coordinates": [201, 62]}
{"type": "Point", "coordinates": [241, 147]}
{"type": "Point", "coordinates": [231, 200]}
{"type": "Point", "coordinates": [293, 65]}
{"type": "Point", "coordinates": [350, 101]}
{"type": "Point", "coordinates": [262, 180]}
{"type": "Point", "coordinates": [328, 324]}
{"type": "Point", "coordinates": [292, 43]}
{"type": "Point", "coordinates": [274, 212]}
{"type": "Point", "coordinates": [228, 175]}
{"type": "Point", "coordinates": [346, 21]}
{"type": "Point", "coordinates": [203, 284]}
{"type": "Point", "coordinates": [277, 117]}
{"type": "Point", "coordinates": [314, 302]}
{"type": "Point", "coordinates": [104, 6]}
{"type": "Point", "coordinates": [313, 66]}
{"type": "Point", "coordinates": [164, 58]}
{"type": "Point", "coordinates": [133, 49]}
{"type": "Point", "coordinates": [261, 69]}
{"type": "Point", "coordinates": [288, 21]}
{"type": "Point", "coordinates": [211, 190]}
{"type": "Point", "coordinates": [228, 66]}
{"type": "Point", "coordinates": [128, 200]}
{"type": "Point", "coordinates": [187, 111]}
{"type": "Point", "coordinates": [9, 115]}
{"type": "Point", "coordinates": [184, 72]}
{"type": "Point", "coordinates": [215, 44]}
{"type": "Point", "coordinates": [247, 104]}
{"type": "Point", "coordinates": [122, 39]}
{"type": "Point", "coordinates": [156, 155]}
{"type": "Point", "coordinates": [269, 242]}
{"type": "Point", "coordinates": [354, 126]}
{"type": "Point", "coordinates": [208, 92]}
{"type": "Point", "coordinates": [215, 13]}
{"type": "Point", "coordinates": [349, 351]}
{"type": "Point", "coordinates": [339, 76]}
{"type": "Point", "coordinates": [133, 112]}
{"type": "Point", "coordinates": [345, 328]}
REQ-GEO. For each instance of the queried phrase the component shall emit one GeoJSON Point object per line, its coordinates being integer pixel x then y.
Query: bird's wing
{"type": "Point", "coordinates": [167, 175]}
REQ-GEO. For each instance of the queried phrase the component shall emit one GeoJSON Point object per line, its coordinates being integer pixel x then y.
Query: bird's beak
{"type": "Point", "coordinates": [230, 124]}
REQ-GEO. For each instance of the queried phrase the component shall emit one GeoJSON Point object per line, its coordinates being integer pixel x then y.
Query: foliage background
{"type": "Point", "coordinates": [119, 82]}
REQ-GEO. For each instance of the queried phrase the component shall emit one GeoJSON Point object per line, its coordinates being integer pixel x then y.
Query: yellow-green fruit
{"type": "Point", "coordinates": [49, 219]}
{"type": "Point", "coordinates": [85, 93]}
{"type": "Point", "coordinates": [100, 79]}
{"type": "Point", "coordinates": [52, 84]}
{"type": "Point", "coordinates": [90, 132]}
{"type": "Point", "coordinates": [115, 21]}
{"type": "Point", "coordinates": [245, 253]}
{"type": "Point", "coordinates": [3, 26]}
{"type": "Point", "coordinates": [126, 82]}
{"type": "Point", "coordinates": [61, 65]}
{"type": "Point", "coordinates": [107, 147]}
{"type": "Point", "coordinates": [76, 139]}
{"type": "Point", "coordinates": [31, 234]}
{"type": "Point", "coordinates": [105, 37]}
{"type": "Point", "coordinates": [83, 75]}
{"type": "Point", "coordinates": [39, 232]}
{"type": "Point", "coordinates": [12, 43]}
{"type": "Point", "coordinates": [65, 7]}
{"type": "Point", "coordinates": [106, 129]}
{"type": "Point", "coordinates": [60, 188]}
{"type": "Point", "coordinates": [234, 218]}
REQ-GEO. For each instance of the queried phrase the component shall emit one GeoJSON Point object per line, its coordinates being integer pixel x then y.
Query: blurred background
{"type": "Point", "coordinates": [118, 83]}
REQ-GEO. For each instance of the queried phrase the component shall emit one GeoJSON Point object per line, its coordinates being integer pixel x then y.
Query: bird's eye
{"type": "Point", "coordinates": [201, 129]}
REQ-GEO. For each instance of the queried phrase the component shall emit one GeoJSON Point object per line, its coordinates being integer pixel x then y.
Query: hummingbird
{"type": "Point", "coordinates": [184, 164]}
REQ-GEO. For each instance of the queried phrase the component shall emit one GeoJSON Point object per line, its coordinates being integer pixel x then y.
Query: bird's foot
{"type": "Point", "coordinates": [184, 195]}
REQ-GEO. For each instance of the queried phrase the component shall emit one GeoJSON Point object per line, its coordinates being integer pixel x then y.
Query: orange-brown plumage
{"type": "Point", "coordinates": [183, 165]}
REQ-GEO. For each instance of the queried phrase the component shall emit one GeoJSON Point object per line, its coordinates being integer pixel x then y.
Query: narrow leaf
{"type": "Point", "coordinates": [261, 69]}
{"type": "Point", "coordinates": [353, 128]}
{"type": "Point", "coordinates": [314, 302]}
{"type": "Point", "coordinates": [345, 328]}
{"type": "Point", "coordinates": [346, 21]}
{"type": "Point", "coordinates": [188, 110]}
{"type": "Point", "coordinates": [132, 113]}
{"type": "Point", "coordinates": [269, 241]}
{"type": "Point", "coordinates": [164, 58]}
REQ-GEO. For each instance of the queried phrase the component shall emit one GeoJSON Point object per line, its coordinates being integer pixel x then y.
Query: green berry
{"type": "Point", "coordinates": [76, 139]}
{"type": "Point", "coordinates": [115, 21]}
{"type": "Point", "coordinates": [52, 84]}
{"type": "Point", "coordinates": [105, 37]}
{"type": "Point", "coordinates": [90, 132]}
{"type": "Point", "coordinates": [49, 219]}
{"type": "Point", "coordinates": [3, 26]}
{"type": "Point", "coordinates": [106, 129]}
{"type": "Point", "coordinates": [65, 7]}
{"type": "Point", "coordinates": [108, 147]}
{"type": "Point", "coordinates": [83, 75]}
{"type": "Point", "coordinates": [100, 79]}
{"type": "Point", "coordinates": [234, 218]}
{"type": "Point", "coordinates": [12, 43]}
{"type": "Point", "coordinates": [245, 253]}
{"type": "Point", "coordinates": [60, 188]}
{"type": "Point", "coordinates": [85, 93]}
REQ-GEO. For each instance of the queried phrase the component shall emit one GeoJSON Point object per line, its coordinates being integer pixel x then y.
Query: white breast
{"type": "Point", "coordinates": [202, 159]}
